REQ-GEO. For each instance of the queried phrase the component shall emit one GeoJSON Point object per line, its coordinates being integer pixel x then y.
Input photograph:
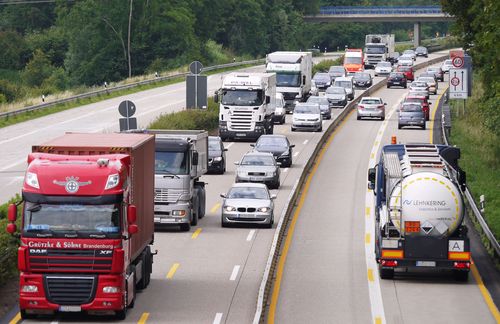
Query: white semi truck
{"type": "Point", "coordinates": [419, 210]}
{"type": "Point", "coordinates": [293, 75]}
{"type": "Point", "coordinates": [246, 105]}
{"type": "Point", "coordinates": [378, 48]}
{"type": "Point", "coordinates": [181, 158]}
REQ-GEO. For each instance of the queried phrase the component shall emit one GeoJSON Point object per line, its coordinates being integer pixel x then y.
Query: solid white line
{"type": "Point", "coordinates": [218, 318]}
{"type": "Point", "coordinates": [13, 165]}
{"type": "Point", "coordinates": [295, 154]}
{"type": "Point", "coordinates": [234, 274]}
{"type": "Point", "coordinates": [250, 235]}
{"type": "Point", "coordinates": [306, 141]}
{"type": "Point", "coordinates": [229, 145]}
{"type": "Point", "coordinates": [285, 170]}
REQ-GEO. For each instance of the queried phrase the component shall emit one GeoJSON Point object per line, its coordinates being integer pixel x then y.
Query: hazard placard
{"type": "Point", "coordinates": [458, 83]}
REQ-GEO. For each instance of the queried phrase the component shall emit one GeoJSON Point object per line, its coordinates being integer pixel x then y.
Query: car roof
{"type": "Point", "coordinates": [258, 153]}
{"type": "Point", "coordinates": [416, 97]}
{"type": "Point", "coordinates": [273, 135]}
{"type": "Point", "coordinates": [248, 184]}
{"type": "Point", "coordinates": [346, 78]}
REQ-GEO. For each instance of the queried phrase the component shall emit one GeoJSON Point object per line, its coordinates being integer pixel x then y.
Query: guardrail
{"type": "Point", "coordinates": [281, 229]}
{"type": "Point", "coordinates": [122, 87]}
{"type": "Point", "coordinates": [380, 10]}
{"type": "Point", "coordinates": [445, 133]}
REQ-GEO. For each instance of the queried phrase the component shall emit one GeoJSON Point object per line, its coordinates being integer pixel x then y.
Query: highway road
{"type": "Point", "coordinates": [330, 275]}
{"type": "Point", "coordinates": [211, 274]}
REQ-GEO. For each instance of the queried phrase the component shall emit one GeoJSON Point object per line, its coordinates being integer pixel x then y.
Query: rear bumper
{"type": "Point", "coordinates": [438, 264]}
{"type": "Point", "coordinates": [371, 113]}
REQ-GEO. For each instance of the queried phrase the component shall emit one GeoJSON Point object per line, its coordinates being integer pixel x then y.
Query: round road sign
{"type": "Point", "coordinates": [195, 67]}
{"type": "Point", "coordinates": [455, 81]}
{"type": "Point", "coordinates": [458, 62]}
{"type": "Point", "coordinates": [127, 108]}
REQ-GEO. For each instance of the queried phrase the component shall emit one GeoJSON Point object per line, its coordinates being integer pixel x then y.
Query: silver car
{"type": "Point", "coordinates": [419, 86]}
{"type": "Point", "coordinates": [337, 96]}
{"type": "Point", "coordinates": [307, 116]}
{"type": "Point", "coordinates": [411, 114]}
{"type": "Point", "coordinates": [431, 82]}
{"type": "Point", "coordinates": [258, 167]}
{"type": "Point", "coordinates": [324, 106]}
{"type": "Point", "coordinates": [446, 66]}
{"type": "Point", "coordinates": [371, 107]}
{"type": "Point", "coordinates": [248, 203]}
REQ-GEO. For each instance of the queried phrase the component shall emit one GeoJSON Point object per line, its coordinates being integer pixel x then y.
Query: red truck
{"type": "Point", "coordinates": [87, 224]}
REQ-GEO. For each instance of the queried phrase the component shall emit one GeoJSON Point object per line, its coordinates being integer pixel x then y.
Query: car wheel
{"type": "Point", "coordinates": [358, 117]}
{"type": "Point", "coordinates": [404, 86]}
{"type": "Point", "coordinates": [388, 86]}
{"type": "Point", "coordinates": [293, 129]}
{"type": "Point", "coordinates": [320, 129]}
{"type": "Point", "coordinates": [399, 126]}
{"type": "Point", "coordinates": [423, 127]}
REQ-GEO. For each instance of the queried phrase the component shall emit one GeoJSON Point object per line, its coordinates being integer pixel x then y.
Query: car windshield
{"type": "Point", "coordinates": [384, 64]}
{"type": "Point", "coordinates": [287, 79]}
{"type": "Point", "coordinates": [421, 49]}
{"type": "Point", "coordinates": [213, 144]}
{"type": "Point", "coordinates": [336, 69]}
{"type": "Point", "coordinates": [267, 141]}
{"type": "Point", "coordinates": [352, 60]}
{"type": "Point", "coordinates": [408, 52]}
{"type": "Point", "coordinates": [257, 160]}
{"type": "Point", "coordinates": [73, 218]}
{"type": "Point", "coordinates": [279, 102]}
{"type": "Point", "coordinates": [335, 90]}
{"type": "Point", "coordinates": [319, 100]}
{"type": "Point", "coordinates": [344, 84]}
{"type": "Point", "coordinates": [170, 163]}
{"type": "Point", "coordinates": [371, 101]}
{"type": "Point", "coordinates": [396, 75]}
{"type": "Point", "coordinates": [426, 79]}
{"type": "Point", "coordinates": [321, 77]}
{"type": "Point", "coordinates": [362, 76]}
{"type": "Point", "coordinates": [248, 193]}
{"type": "Point", "coordinates": [242, 97]}
{"type": "Point", "coordinates": [306, 109]}
{"type": "Point", "coordinates": [375, 49]}
{"type": "Point", "coordinates": [404, 69]}
{"type": "Point", "coordinates": [411, 108]}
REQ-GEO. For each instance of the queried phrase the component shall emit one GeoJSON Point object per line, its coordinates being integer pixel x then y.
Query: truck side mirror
{"type": "Point", "coordinates": [131, 214]}
{"type": "Point", "coordinates": [195, 158]}
{"type": "Point", "coordinates": [216, 97]}
{"type": "Point", "coordinates": [11, 228]}
{"type": "Point", "coordinates": [133, 229]}
{"type": "Point", "coordinates": [268, 99]}
{"type": "Point", "coordinates": [12, 213]}
{"type": "Point", "coordinates": [371, 178]}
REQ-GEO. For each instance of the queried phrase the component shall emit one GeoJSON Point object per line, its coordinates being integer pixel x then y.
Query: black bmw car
{"type": "Point", "coordinates": [216, 155]}
{"type": "Point", "coordinates": [278, 145]}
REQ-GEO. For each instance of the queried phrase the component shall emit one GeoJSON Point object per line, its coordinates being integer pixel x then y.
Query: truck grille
{"type": "Point", "coordinates": [52, 260]}
{"type": "Point", "coordinates": [70, 290]}
{"type": "Point", "coordinates": [168, 195]}
{"type": "Point", "coordinates": [241, 120]}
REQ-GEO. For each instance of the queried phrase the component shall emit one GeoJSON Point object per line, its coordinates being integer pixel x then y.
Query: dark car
{"type": "Point", "coordinates": [393, 57]}
{"type": "Point", "coordinates": [216, 155]}
{"type": "Point", "coordinates": [278, 145]}
{"type": "Point", "coordinates": [397, 79]}
{"type": "Point", "coordinates": [322, 80]}
{"type": "Point", "coordinates": [437, 71]}
{"type": "Point", "coordinates": [421, 51]}
{"type": "Point", "coordinates": [362, 79]}
{"type": "Point", "coordinates": [411, 114]}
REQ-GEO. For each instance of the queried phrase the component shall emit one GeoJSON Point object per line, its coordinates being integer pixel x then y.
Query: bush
{"type": "Point", "coordinates": [8, 244]}
{"type": "Point", "coordinates": [323, 66]}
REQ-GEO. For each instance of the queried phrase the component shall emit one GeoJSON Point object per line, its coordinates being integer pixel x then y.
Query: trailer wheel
{"type": "Point", "coordinates": [146, 269]}
{"type": "Point", "coordinates": [460, 275]}
{"type": "Point", "coordinates": [386, 273]}
{"type": "Point", "coordinates": [121, 314]}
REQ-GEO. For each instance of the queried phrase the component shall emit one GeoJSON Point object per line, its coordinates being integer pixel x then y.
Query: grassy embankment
{"type": "Point", "coordinates": [480, 158]}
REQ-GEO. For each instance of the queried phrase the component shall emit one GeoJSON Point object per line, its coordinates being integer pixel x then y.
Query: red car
{"type": "Point", "coordinates": [408, 72]}
{"type": "Point", "coordinates": [422, 100]}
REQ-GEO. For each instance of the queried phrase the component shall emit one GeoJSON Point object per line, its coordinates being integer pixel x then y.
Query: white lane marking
{"type": "Point", "coordinates": [306, 141]}
{"type": "Point", "coordinates": [376, 302]}
{"type": "Point", "coordinates": [12, 165]}
{"type": "Point", "coordinates": [285, 170]}
{"type": "Point", "coordinates": [218, 318]}
{"type": "Point", "coordinates": [234, 274]}
{"type": "Point", "coordinates": [229, 145]}
{"type": "Point", "coordinates": [250, 235]}
{"type": "Point", "coordinates": [16, 179]}
{"type": "Point", "coordinates": [295, 154]}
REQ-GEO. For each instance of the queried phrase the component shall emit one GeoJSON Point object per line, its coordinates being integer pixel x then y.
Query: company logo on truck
{"type": "Point", "coordinates": [424, 202]}
{"type": "Point", "coordinates": [72, 184]}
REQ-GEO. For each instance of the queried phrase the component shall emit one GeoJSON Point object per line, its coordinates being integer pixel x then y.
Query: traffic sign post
{"type": "Point", "coordinates": [196, 87]}
{"type": "Point", "coordinates": [458, 83]}
{"type": "Point", "coordinates": [127, 109]}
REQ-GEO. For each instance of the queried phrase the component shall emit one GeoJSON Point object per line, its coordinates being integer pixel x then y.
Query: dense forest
{"type": "Point", "coordinates": [47, 47]}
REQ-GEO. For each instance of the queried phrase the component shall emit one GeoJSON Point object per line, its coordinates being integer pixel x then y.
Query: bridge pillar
{"type": "Point", "coordinates": [417, 31]}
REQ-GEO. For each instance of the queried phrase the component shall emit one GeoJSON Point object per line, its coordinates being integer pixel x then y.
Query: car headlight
{"type": "Point", "coordinates": [286, 153]}
{"type": "Point", "coordinates": [218, 158]}
{"type": "Point", "coordinates": [229, 208]}
{"type": "Point", "coordinates": [263, 209]}
{"type": "Point", "coordinates": [271, 174]}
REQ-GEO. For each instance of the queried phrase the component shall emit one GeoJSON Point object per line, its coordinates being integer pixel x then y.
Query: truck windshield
{"type": "Point", "coordinates": [287, 80]}
{"type": "Point", "coordinates": [352, 60]}
{"type": "Point", "coordinates": [171, 163]}
{"type": "Point", "coordinates": [377, 49]}
{"type": "Point", "coordinates": [71, 219]}
{"type": "Point", "coordinates": [242, 97]}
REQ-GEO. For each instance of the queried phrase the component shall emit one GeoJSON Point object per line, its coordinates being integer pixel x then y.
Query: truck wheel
{"type": "Point", "coordinates": [271, 129]}
{"type": "Point", "coordinates": [185, 227]}
{"type": "Point", "coordinates": [146, 269]}
{"type": "Point", "coordinates": [194, 219]}
{"type": "Point", "coordinates": [386, 273]}
{"type": "Point", "coordinates": [201, 202]}
{"type": "Point", "coordinates": [26, 316]}
{"type": "Point", "coordinates": [462, 276]}
{"type": "Point", "coordinates": [121, 314]}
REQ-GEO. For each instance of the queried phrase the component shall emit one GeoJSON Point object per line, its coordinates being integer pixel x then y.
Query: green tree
{"type": "Point", "coordinates": [14, 51]}
{"type": "Point", "coordinates": [37, 70]}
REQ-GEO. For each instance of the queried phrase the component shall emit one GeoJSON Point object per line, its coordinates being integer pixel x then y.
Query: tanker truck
{"type": "Point", "coordinates": [87, 224]}
{"type": "Point", "coordinates": [419, 210]}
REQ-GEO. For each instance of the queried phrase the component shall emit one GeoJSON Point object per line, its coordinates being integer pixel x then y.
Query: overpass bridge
{"type": "Point", "coordinates": [415, 14]}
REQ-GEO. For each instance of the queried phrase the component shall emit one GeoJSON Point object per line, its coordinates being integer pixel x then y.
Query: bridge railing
{"type": "Point", "coordinates": [380, 10]}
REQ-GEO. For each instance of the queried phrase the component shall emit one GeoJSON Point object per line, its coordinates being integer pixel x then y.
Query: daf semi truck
{"type": "Point", "coordinates": [378, 48]}
{"type": "Point", "coordinates": [419, 210]}
{"type": "Point", "coordinates": [246, 105]}
{"type": "Point", "coordinates": [181, 158]}
{"type": "Point", "coordinates": [87, 224]}
{"type": "Point", "coordinates": [293, 75]}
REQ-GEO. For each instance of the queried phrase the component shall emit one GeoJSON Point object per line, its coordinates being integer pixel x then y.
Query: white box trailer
{"type": "Point", "coordinates": [378, 47]}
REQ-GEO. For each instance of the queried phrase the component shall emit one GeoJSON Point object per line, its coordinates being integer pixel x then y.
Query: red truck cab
{"type": "Point", "coordinates": [87, 224]}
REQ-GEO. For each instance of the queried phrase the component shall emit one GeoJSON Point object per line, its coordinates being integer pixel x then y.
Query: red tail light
{"type": "Point", "coordinates": [461, 265]}
{"type": "Point", "coordinates": [361, 107]}
{"type": "Point", "coordinates": [389, 263]}
{"type": "Point", "coordinates": [380, 106]}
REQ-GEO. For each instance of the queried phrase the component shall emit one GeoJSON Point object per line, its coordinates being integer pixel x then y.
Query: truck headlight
{"type": "Point", "coordinates": [263, 209]}
{"type": "Point", "coordinates": [230, 208]}
{"type": "Point", "coordinates": [112, 182]}
{"type": "Point", "coordinates": [110, 289]}
{"type": "Point", "coordinates": [29, 289]}
{"type": "Point", "coordinates": [178, 213]}
{"type": "Point", "coordinates": [32, 180]}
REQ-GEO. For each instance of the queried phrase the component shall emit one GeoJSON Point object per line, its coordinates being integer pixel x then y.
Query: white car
{"type": "Point", "coordinates": [410, 53]}
{"type": "Point", "coordinates": [419, 86]}
{"type": "Point", "coordinates": [383, 68]}
{"type": "Point", "coordinates": [345, 82]}
{"type": "Point", "coordinates": [307, 116]}
{"type": "Point", "coordinates": [371, 107]}
{"type": "Point", "coordinates": [446, 66]}
{"type": "Point", "coordinates": [405, 60]}
{"type": "Point", "coordinates": [280, 111]}
{"type": "Point", "coordinates": [431, 82]}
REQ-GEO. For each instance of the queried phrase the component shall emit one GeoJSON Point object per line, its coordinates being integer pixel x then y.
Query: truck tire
{"type": "Point", "coordinates": [185, 227]}
{"type": "Point", "coordinates": [202, 198]}
{"type": "Point", "coordinates": [146, 269]}
{"type": "Point", "coordinates": [121, 314]}
{"type": "Point", "coordinates": [194, 210]}
{"type": "Point", "coordinates": [386, 273]}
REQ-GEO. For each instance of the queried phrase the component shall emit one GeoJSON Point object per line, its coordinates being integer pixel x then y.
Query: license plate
{"type": "Point", "coordinates": [70, 308]}
{"type": "Point", "coordinates": [426, 263]}
{"type": "Point", "coordinates": [246, 215]}
{"type": "Point", "coordinates": [254, 179]}
{"type": "Point", "coordinates": [241, 134]}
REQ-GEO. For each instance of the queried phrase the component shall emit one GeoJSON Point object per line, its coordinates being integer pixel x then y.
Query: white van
{"type": "Point", "coordinates": [346, 82]}
{"type": "Point", "coordinates": [280, 112]}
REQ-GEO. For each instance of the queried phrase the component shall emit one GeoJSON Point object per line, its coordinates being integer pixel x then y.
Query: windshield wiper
{"type": "Point", "coordinates": [170, 173]}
